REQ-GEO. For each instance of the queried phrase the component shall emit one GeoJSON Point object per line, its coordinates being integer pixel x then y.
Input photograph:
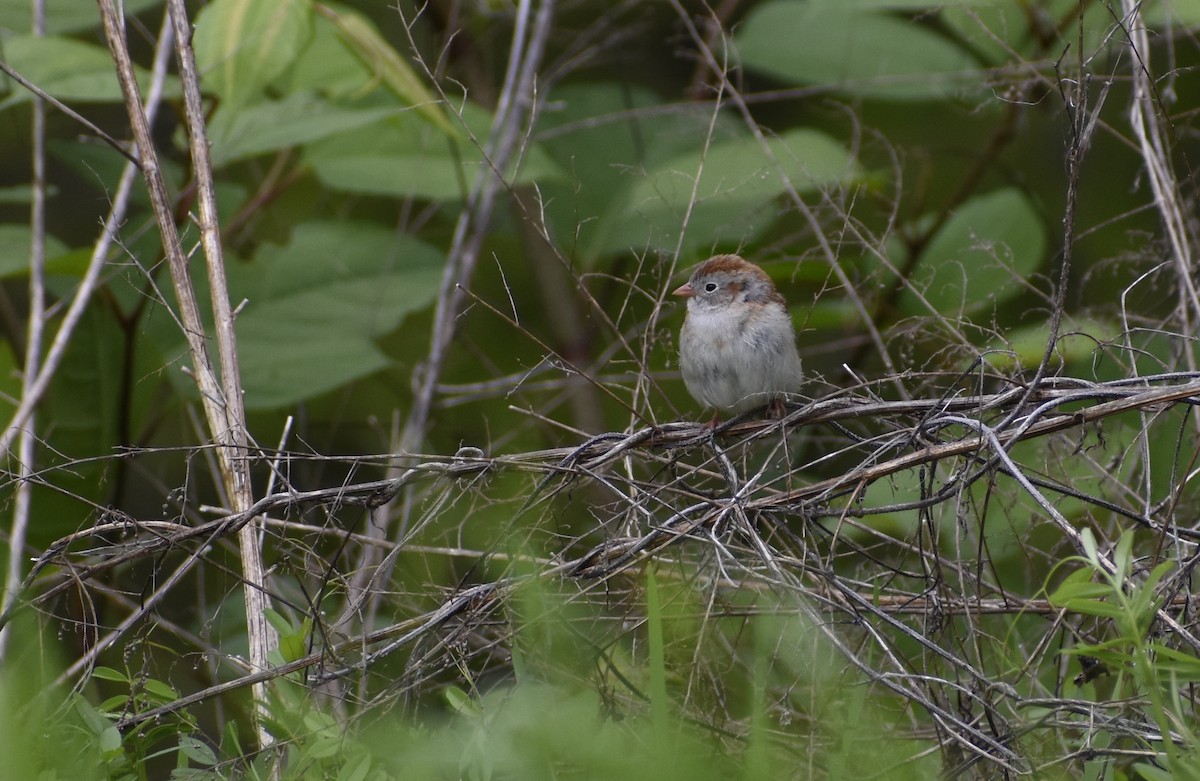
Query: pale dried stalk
{"type": "Point", "coordinates": [34, 386]}
{"type": "Point", "coordinates": [1156, 151]}
{"type": "Point", "coordinates": [220, 397]}
{"type": "Point", "coordinates": [235, 467]}
{"type": "Point", "coordinates": [516, 108]}
{"type": "Point", "coordinates": [27, 447]}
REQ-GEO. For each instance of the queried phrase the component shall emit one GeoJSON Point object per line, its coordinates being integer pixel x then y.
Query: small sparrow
{"type": "Point", "coordinates": [738, 346]}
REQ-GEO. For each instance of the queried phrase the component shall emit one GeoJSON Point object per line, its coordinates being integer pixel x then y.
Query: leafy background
{"type": "Point", "coordinates": [901, 168]}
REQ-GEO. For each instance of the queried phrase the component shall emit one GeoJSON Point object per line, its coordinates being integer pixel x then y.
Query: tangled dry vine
{"type": "Point", "coordinates": [725, 510]}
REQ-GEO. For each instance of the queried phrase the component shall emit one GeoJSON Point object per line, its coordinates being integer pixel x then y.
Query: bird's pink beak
{"type": "Point", "coordinates": [684, 290]}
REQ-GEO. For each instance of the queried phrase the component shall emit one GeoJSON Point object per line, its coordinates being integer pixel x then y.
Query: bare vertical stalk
{"type": "Point", "coordinates": [1155, 149]}
{"type": "Point", "coordinates": [236, 467]}
{"type": "Point", "coordinates": [27, 444]}
{"type": "Point", "coordinates": [514, 110]}
{"type": "Point", "coordinates": [221, 396]}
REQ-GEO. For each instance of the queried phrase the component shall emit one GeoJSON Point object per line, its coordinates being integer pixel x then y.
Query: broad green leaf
{"type": "Point", "coordinates": [407, 156]}
{"type": "Point", "coordinates": [1078, 342]}
{"type": "Point", "coordinates": [355, 769]}
{"type": "Point", "coordinates": [282, 367]}
{"type": "Point", "coordinates": [293, 640]}
{"type": "Point", "coordinates": [67, 69]}
{"type": "Point", "coordinates": [995, 30]}
{"type": "Point", "coordinates": [278, 622]}
{"type": "Point", "coordinates": [110, 743]}
{"type": "Point", "coordinates": [15, 241]}
{"type": "Point", "coordinates": [328, 67]}
{"type": "Point", "coordinates": [399, 157]}
{"type": "Point", "coordinates": [100, 166]}
{"type": "Point", "coordinates": [899, 488]}
{"type": "Point", "coordinates": [160, 690]}
{"type": "Point", "coordinates": [22, 193]}
{"type": "Point", "coordinates": [114, 704]}
{"type": "Point", "coordinates": [460, 701]}
{"type": "Point", "coordinates": [314, 306]}
{"type": "Point", "coordinates": [324, 747]}
{"type": "Point", "coordinates": [1150, 772]}
{"type": "Point", "coordinates": [241, 45]}
{"type": "Point", "coordinates": [1161, 13]}
{"type": "Point", "coordinates": [62, 16]}
{"type": "Point", "coordinates": [861, 52]}
{"type": "Point", "coordinates": [85, 423]}
{"type": "Point", "coordinates": [10, 372]}
{"type": "Point", "coordinates": [94, 721]}
{"type": "Point", "coordinates": [239, 132]}
{"type": "Point", "coordinates": [979, 256]}
{"type": "Point", "coordinates": [197, 750]}
{"type": "Point", "coordinates": [603, 136]}
{"type": "Point", "coordinates": [109, 674]}
{"type": "Point", "coordinates": [723, 194]}
{"type": "Point", "coordinates": [365, 41]}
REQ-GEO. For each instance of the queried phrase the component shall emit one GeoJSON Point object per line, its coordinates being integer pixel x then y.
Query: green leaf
{"type": "Point", "coordinates": [197, 750]}
{"type": "Point", "coordinates": [1079, 585]}
{"type": "Point", "coordinates": [1123, 556]}
{"type": "Point", "coordinates": [62, 16]}
{"type": "Point", "coordinates": [278, 622]}
{"type": "Point", "coordinates": [401, 157]}
{"type": "Point", "coordinates": [356, 770]}
{"type": "Point", "coordinates": [324, 747]}
{"type": "Point", "coordinates": [1156, 575]}
{"type": "Point", "coordinates": [1169, 661]}
{"type": "Point", "coordinates": [1005, 34]}
{"type": "Point", "coordinates": [733, 199]}
{"type": "Point", "coordinates": [15, 241]}
{"type": "Point", "coordinates": [1089, 547]}
{"type": "Point", "coordinates": [109, 674]}
{"type": "Point", "coordinates": [240, 132]}
{"type": "Point", "coordinates": [293, 640]}
{"type": "Point", "coordinates": [100, 166]}
{"type": "Point", "coordinates": [161, 690]}
{"type": "Point", "coordinates": [69, 70]}
{"type": "Point", "coordinates": [365, 41]}
{"type": "Point", "coordinates": [461, 702]}
{"type": "Point", "coordinates": [328, 66]}
{"type": "Point", "coordinates": [314, 306]}
{"type": "Point", "coordinates": [282, 366]}
{"type": "Point", "coordinates": [600, 137]}
{"type": "Point", "coordinates": [976, 260]}
{"type": "Point", "coordinates": [1078, 342]}
{"type": "Point", "coordinates": [405, 156]}
{"type": "Point", "coordinates": [854, 50]}
{"type": "Point", "coordinates": [22, 194]}
{"type": "Point", "coordinates": [1152, 773]}
{"type": "Point", "coordinates": [95, 721]}
{"type": "Point", "coordinates": [83, 404]}
{"type": "Point", "coordinates": [1160, 13]}
{"type": "Point", "coordinates": [1093, 607]}
{"type": "Point", "coordinates": [110, 742]}
{"type": "Point", "coordinates": [241, 45]}
{"type": "Point", "coordinates": [114, 704]}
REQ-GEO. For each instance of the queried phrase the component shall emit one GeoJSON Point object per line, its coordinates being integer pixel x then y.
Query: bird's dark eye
{"type": "Point", "coordinates": [710, 287]}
